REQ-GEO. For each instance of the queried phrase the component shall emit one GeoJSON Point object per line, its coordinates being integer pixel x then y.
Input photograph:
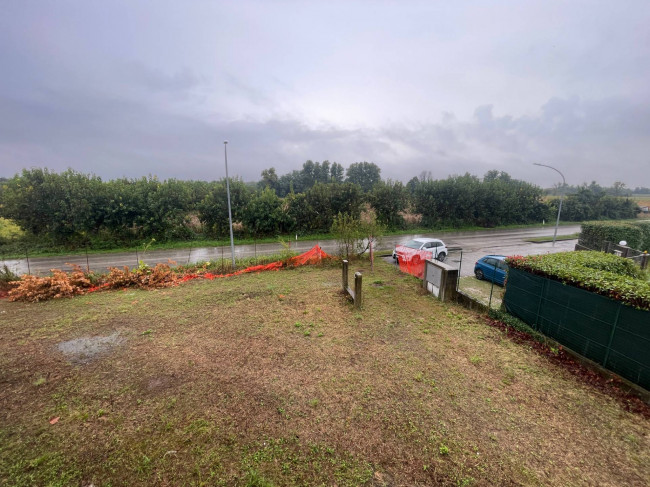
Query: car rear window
{"type": "Point", "coordinates": [413, 244]}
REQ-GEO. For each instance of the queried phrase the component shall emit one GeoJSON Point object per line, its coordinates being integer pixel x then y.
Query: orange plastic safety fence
{"type": "Point", "coordinates": [413, 261]}
{"type": "Point", "coordinates": [313, 256]}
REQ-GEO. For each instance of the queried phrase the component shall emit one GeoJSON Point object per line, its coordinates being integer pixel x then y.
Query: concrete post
{"type": "Point", "coordinates": [357, 290]}
{"type": "Point", "coordinates": [345, 275]}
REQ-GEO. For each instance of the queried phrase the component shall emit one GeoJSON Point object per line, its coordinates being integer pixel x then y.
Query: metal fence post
{"type": "Point", "coordinates": [539, 305]}
{"type": "Point", "coordinates": [611, 335]}
{"type": "Point", "coordinates": [492, 288]}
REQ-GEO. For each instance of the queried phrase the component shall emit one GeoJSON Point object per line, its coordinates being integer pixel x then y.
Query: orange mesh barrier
{"type": "Point", "coordinates": [412, 260]}
{"type": "Point", "coordinates": [313, 256]}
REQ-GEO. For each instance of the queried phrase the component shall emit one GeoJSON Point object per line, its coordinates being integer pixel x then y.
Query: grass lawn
{"type": "Point", "coordinates": [481, 290]}
{"type": "Point", "coordinates": [274, 379]}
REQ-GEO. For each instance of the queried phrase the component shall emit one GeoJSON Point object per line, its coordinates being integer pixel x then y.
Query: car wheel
{"type": "Point", "coordinates": [479, 274]}
{"type": "Point", "coordinates": [441, 256]}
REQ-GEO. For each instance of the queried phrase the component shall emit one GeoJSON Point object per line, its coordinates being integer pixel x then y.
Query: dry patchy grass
{"type": "Point", "coordinates": [274, 379]}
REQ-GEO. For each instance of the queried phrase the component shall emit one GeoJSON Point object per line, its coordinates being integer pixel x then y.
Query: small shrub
{"type": "Point", "coordinates": [636, 234]}
{"type": "Point", "coordinates": [7, 277]}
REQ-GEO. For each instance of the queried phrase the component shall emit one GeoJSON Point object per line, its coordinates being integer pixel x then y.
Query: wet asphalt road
{"type": "Point", "coordinates": [474, 244]}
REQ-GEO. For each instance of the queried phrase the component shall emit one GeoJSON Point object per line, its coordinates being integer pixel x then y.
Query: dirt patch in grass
{"type": "Point", "coordinates": [83, 350]}
{"type": "Point", "coordinates": [274, 379]}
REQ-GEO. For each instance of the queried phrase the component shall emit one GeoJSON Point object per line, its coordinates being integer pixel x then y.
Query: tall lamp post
{"type": "Point", "coordinates": [232, 240]}
{"type": "Point", "coordinates": [559, 210]}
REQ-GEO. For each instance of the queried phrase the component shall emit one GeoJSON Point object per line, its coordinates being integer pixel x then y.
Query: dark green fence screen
{"type": "Point", "coordinates": [608, 332]}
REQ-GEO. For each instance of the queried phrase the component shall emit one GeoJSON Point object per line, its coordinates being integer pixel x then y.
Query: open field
{"type": "Point", "coordinates": [274, 379]}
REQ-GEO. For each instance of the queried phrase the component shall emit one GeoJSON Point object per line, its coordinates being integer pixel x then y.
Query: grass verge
{"type": "Point", "coordinates": [549, 238]}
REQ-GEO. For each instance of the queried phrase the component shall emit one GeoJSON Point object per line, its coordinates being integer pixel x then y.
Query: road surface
{"type": "Point", "coordinates": [474, 244]}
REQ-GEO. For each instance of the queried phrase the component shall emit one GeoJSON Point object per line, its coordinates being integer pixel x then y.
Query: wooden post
{"type": "Point", "coordinates": [357, 290]}
{"type": "Point", "coordinates": [345, 275]}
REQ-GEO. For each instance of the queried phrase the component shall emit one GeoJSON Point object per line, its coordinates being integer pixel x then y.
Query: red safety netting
{"type": "Point", "coordinates": [412, 260]}
{"type": "Point", "coordinates": [313, 256]}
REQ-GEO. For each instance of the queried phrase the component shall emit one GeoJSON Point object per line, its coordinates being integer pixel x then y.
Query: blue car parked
{"type": "Point", "coordinates": [491, 268]}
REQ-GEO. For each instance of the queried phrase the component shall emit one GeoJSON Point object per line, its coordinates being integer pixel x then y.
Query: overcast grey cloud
{"type": "Point", "coordinates": [131, 88]}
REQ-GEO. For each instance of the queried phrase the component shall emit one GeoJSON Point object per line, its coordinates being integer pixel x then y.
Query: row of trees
{"type": "Point", "coordinates": [617, 189]}
{"type": "Point", "coordinates": [364, 174]}
{"type": "Point", "coordinates": [73, 208]}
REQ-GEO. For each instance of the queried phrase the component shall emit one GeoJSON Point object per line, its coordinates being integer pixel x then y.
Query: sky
{"type": "Point", "coordinates": [135, 88]}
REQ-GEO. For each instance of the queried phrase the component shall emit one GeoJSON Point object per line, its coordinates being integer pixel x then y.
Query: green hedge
{"type": "Point", "coordinates": [605, 274]}
{"type": "Point", "coordinates": [636, 234]}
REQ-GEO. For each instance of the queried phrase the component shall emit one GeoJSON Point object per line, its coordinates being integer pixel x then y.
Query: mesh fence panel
{"type": "Point", "coordinates": [608, 332]}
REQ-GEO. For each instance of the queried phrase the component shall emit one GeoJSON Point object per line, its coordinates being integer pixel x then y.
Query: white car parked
{"type": "Point", "coordinates": [434, 245]}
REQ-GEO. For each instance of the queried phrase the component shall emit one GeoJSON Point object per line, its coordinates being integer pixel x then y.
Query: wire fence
{"type": "Point", "coordinates": [90, 260]}
{"type": "Point", "coordinates": [485, 290]}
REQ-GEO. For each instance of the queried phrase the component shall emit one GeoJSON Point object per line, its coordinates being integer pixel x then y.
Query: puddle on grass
{"type": "Point", "coordinates": [84, 350]}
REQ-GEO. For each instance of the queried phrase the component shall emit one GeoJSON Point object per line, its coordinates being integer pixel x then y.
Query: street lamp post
{"type": "Point", "coordinates": [559, 210]}
{"type": "Point", "coordinates": [232, 240]}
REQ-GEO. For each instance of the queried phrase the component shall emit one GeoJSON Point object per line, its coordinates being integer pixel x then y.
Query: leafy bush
{"type": "Point", "coordinates": [7, 277]}
{"type": "Point", "coordinates": [636, 234]}
{"type": "Point", "coordinates": [606, 274]}
{"type": "Point", "coordinates": [9, 231]}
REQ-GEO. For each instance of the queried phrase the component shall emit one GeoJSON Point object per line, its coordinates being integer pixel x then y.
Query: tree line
{"type": "Point", "coordinates": [77, 209]}
{"type": "Point", "coordinates": [617, 189]}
